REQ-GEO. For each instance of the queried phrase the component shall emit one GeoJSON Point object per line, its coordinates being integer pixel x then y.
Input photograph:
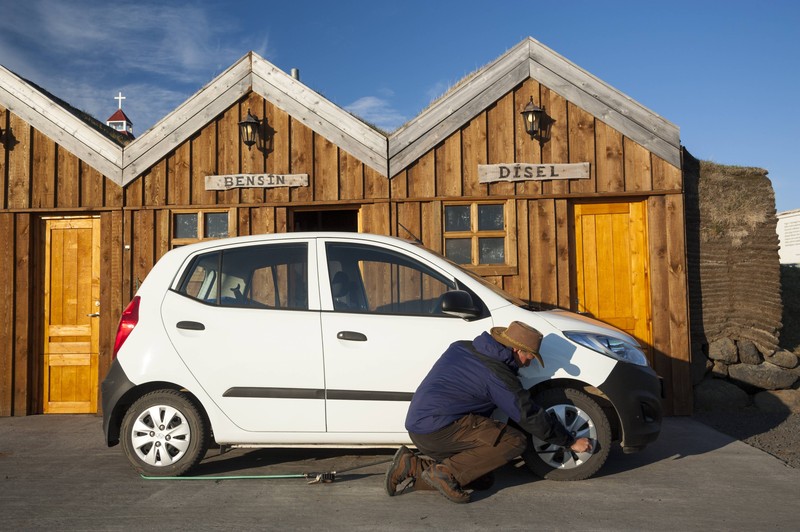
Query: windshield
{"type": "Point", "coordinates": [505, 295]}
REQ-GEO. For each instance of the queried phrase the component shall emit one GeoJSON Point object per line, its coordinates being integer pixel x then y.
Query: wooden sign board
{"type": "Point", "coordinates": [227, 182]}
{"type": "Point", "coordinates": [491, 173]}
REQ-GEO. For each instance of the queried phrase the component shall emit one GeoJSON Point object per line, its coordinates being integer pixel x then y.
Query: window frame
{"type": "Point", "coordinates": [509, 235]}
{"type": "Point", "coordinates": [177, 242]}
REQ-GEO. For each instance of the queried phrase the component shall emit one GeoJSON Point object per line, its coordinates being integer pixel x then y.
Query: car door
{"type": "Point", "coordinates": [245, 321]}
{"type": "Point", "coordinates": [381, 332]}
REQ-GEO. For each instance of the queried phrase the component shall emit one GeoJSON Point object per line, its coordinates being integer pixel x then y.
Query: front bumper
{"type": "Point", "coordinates": [636, 393]}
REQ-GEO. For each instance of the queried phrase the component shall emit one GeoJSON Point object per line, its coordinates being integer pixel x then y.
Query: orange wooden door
{"type": "Point", "coordinates": [612, 266]}
{"type": "Point", "coordinates": [71, 310]}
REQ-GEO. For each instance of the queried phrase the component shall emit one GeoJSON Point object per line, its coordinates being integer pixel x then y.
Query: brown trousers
{"type": "Point", "coordinates": [472, 446]}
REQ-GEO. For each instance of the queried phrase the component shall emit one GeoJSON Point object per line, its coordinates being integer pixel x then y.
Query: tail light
{"type": "Point", "coordinates": [129, 319]}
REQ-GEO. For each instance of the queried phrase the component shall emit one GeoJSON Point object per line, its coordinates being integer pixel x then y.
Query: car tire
{"type": "Point", "coordinates": [583, 417]}
{"type": "Point", "coordinates": [164, 434]}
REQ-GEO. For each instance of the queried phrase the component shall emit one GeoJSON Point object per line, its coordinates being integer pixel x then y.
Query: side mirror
{"type": "Point", "coordinates": [459, 303]}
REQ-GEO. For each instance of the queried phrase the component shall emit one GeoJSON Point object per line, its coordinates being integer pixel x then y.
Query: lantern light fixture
{"type": "Point", "coordinates": [537, 123]}
{"type": "Point", "coordinates": [250, 129]}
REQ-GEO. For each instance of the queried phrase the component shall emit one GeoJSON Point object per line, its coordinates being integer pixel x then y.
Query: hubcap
{"type": "Point", "coordinates": [579, 425]}
{"type": "Point", "coordinates": [160, 435]}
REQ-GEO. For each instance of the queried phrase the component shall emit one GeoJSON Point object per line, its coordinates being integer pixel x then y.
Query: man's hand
{"type": "Point", "coordinates": [581, 445]}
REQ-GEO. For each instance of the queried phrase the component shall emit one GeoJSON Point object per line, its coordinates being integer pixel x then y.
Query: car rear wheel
{"type": "Point", "coordinates": [163, 434]}
{"type": "Point", "coordinates": [583, 418]}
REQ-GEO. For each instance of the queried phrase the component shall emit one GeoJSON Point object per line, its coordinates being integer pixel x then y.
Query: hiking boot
{"type": "Point", "coordinates": [439, 477]}
{"type": "Point", "coordinates": [403, 466]}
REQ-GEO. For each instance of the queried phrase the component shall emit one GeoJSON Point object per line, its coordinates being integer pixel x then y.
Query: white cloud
{"type": "Point", "coordinates": [84, 51]}
{"type": "Point", "coordinates": [377, 111]}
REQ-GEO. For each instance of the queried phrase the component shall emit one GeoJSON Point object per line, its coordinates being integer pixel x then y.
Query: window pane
{"type": "Point", "coordinates": [185, 225]}
{"type": "Point", "coordinates": [269, 276]}
{"type": "Point", "coordinates": [216, 225]}
{"type": "Point", "coordinates": [459, 250]}
{"type": "Point", "coordinates": [456, 218]}
{"type": "Point", "coordinates": [200, 282]}
{"type": "Point", "coordinates": [371, 279]}
{"type": "Point", "coordinates": [490, 218]}
{"type": "Point", "coordinates": [491, 251]}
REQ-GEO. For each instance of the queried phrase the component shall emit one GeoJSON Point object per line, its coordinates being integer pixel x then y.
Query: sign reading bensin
{"type": "Point", "coordinates": [492, 173]}
{"type": "Point", "coordinates": [227, 182]}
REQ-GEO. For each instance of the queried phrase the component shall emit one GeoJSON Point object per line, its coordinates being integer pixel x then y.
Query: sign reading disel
{"type": "Point", "coordinates": [227, 182]}
{"type": "Point", "coordinates": [491, 173]}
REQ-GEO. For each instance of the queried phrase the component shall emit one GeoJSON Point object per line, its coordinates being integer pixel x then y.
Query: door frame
{"type": "Point", "coordinates": [42, 318]}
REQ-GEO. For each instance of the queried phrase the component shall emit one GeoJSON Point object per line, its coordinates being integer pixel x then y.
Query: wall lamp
{"type": "Point", "coordinates": [250, 129]}
{"type": "Point", "coordinates": [537, 123]}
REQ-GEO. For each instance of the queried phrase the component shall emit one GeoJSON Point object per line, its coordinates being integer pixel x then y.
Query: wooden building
{"type": "Point", "coordinates": [590, 220]}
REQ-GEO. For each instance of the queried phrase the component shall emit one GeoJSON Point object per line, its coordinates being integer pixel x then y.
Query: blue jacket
{"type": "Point", "coordinates": [475, 378]}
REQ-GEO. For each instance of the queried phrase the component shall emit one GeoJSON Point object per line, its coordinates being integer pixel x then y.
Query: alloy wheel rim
{"type": "Point", "coordinates": [580, 425]}
{"type": "Point", "coordinates": [160, 435]}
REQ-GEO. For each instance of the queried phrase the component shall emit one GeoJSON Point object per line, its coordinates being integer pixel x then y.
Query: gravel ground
{"type": "Point", "coordinates": [775, 433]}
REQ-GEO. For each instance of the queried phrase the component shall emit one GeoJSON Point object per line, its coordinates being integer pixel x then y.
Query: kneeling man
{"type": "Point", "coordinates": [448, 419]}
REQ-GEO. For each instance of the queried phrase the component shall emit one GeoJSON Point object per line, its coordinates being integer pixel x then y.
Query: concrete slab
{"type": "Point", "coordinates": [56, 473]}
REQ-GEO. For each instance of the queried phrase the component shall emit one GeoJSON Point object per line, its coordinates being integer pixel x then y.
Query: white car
{"type": "Point", "coordinates": [301, 339]}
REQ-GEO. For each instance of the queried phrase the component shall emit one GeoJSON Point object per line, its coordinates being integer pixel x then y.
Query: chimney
{"type": "Point", "coordinates": [296, 74]}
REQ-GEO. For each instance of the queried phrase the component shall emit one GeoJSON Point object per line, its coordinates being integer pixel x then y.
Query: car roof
{"type": "Point", "coordinates": [276, 237]}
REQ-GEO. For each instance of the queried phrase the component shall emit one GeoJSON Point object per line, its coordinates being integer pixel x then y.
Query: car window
{"type": "Point", "coordinates": [266, 276]}
{"type": "Point", "coordinates": [371, 279]}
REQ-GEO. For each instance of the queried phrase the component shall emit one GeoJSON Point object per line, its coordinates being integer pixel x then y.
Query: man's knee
{"type": "Point", "coordinates": [516, 441]}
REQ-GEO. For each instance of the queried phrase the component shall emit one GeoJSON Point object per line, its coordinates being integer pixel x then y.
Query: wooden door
{"type": "Point", "coordinates": [612, 266]}
{"type": "Point", "coordinates": [71, 311]}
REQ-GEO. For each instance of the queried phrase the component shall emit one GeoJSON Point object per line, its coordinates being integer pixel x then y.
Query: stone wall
{"type": "Point", "coordinates": [734, 282]}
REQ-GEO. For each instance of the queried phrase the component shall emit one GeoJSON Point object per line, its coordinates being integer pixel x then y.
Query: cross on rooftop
{"type": "Point", "coordinates": [120, 98]}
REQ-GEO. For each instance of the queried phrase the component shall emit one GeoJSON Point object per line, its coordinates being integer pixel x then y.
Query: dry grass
{"type": "Point", "coordinates": [736, 211]}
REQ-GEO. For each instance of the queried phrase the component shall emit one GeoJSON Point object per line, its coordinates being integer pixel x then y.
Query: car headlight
{"type": "Point", "coordinates": [609, 346]}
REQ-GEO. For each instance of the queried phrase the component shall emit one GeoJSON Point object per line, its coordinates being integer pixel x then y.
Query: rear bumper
{"type": "Point", "coordinates": [113, 388]}
{"type": "Point", "coordinates": [636, 393]}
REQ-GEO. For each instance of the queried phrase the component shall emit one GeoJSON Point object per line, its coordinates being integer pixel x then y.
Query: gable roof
{"type": "Point", "coordinates": [531, 59]}
{"type": "Point", "coordinates": [91, 141]}
{"type": "Point", "coordinates": [274, 85]}
{"type": "Point", "coordinates": [122, 163]}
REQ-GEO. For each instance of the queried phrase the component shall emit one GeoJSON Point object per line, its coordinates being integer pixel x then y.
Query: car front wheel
{"type": "Point", "coordinates": [163, 434]}
{"type": "Point", "coordinates": [583, 418]}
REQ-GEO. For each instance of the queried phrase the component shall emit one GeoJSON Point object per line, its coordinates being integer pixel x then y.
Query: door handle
{"type": "Point", "coordinates": [191, 325]}
{"type": "Point", "coordinates": [94, 315]}
{"type": "Point", "coordinates": [351, 335]}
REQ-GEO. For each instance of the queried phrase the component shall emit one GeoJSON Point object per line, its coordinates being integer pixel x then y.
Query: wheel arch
{"type": "Point", "coordinates": [595, 393]}
{"type": "Point", "coordinates": [134, 394]}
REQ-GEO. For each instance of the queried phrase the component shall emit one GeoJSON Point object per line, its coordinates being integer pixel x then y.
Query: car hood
{"type": "Point", "coordinates": [569, 321]}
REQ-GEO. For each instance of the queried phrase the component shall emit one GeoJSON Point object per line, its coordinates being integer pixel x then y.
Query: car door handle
{"type": "Point", "coordinates": [94, 315]}
{"type": "Point", "coordinates": [351, 335]}
{"type": "Point", "coordinates": [191, 325]}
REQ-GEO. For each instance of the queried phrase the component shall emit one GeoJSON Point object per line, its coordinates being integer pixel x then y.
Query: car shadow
{"type": "Point", "coordinates": [293, 461]}
{"type": "Point", "coordinates": [701, 433]}
{"type": "Point", "coordinates": [680, 437]}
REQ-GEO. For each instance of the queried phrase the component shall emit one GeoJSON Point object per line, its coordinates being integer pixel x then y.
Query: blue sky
{"type": "Point", "coordinates": [725, 71]}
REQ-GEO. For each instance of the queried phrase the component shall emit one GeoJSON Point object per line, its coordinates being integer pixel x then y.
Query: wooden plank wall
{"type": "Point", "coordinates": [619, 169]}
{"type": "Point", "coordinates": [38, 177]}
